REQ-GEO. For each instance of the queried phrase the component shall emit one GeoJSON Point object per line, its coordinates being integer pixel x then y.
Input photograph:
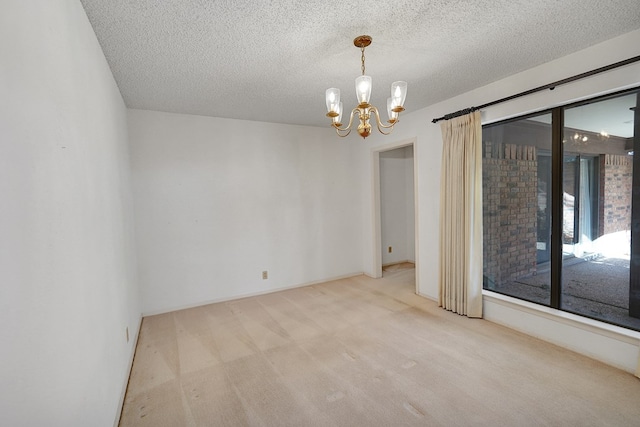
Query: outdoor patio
{"type": "Point", "coordinates": [596, 288]}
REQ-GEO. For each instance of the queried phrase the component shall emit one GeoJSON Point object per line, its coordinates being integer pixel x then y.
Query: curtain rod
{"type": "Point", "coordinates": [550, 86]}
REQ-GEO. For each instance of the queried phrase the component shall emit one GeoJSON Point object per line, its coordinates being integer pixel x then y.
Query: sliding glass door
{"type": "Point", "coordinates": [577, 162]}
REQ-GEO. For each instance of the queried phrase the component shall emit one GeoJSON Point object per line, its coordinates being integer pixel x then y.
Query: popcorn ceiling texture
{"type": "Point", "coordinates": [273, 60]}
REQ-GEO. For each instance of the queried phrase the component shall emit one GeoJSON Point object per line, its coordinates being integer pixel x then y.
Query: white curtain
{"type": "Point", "coordinates": [460, 275]}
{"type": "Point", "coordinates": [585, 208]}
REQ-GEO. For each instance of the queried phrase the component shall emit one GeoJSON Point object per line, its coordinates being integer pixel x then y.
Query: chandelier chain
{"type": "Point", "coordinates": [362, 49]}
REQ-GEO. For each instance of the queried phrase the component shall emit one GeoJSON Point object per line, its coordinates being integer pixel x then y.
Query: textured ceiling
{"type": "Point", "coordinates": [272, 61]}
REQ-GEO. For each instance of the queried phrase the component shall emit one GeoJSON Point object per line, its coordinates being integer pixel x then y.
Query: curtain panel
{"type": "Point", "coordinates": [460, 273]}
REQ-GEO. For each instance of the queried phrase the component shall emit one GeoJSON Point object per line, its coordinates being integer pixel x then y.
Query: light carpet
{"type": "Point", "coordinates": [361, 352]}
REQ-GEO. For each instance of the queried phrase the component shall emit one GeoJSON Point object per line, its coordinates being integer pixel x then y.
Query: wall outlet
{"type": "Point", "coordinates": [390, 249]}
{"type": "Point", "coordinates": [127, 331]}
{"type": "Point", "coordinates": [265, 275]}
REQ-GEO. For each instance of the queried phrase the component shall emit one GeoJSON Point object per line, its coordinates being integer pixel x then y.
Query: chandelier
{"type": "Point", "coordinates": [580, 138]}
{"type": "Point", "coordinates": [364, 110]}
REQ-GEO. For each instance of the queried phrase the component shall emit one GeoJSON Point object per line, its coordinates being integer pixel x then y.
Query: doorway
{"type": "Point", "coordinates": [395, 206]}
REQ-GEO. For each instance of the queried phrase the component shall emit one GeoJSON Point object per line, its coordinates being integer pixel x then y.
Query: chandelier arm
{"type": "Point", "coordinates": [342, 135]}
{"type": "Point", "coordinates": [380, 124]}
{"type": "Point", "coordinates": [348, 127]}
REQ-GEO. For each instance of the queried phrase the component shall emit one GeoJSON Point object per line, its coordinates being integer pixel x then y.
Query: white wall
{"type": "Point", "coordinates": [218, 201]}
{"type": "Point", "coordinates": [397, 205]}
{"type": "Point", "coordinates": [410, 211]}
{"type": "Point", "coordinates": [429, 151]}
{"type": "Point", "coordinates": [67, 259]}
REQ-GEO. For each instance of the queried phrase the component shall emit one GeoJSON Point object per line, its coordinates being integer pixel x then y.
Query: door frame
{"type": "Point", "coordinates": [377, 207]}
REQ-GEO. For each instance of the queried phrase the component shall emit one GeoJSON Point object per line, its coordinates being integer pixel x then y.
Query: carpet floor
{"type": "Point", "coordinates": [361, 352]}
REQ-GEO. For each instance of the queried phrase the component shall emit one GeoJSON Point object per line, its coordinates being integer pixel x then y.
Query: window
{"type": "Point", "coordinates": [559, 204]}
{"type": "Point", "coordinates": [516, 191]}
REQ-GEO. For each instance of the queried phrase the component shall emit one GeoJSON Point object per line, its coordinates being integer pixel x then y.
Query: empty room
{"type": "Point", "coordinates": [202, 223]}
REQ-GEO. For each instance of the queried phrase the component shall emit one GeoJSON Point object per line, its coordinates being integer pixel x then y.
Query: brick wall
{"type": "Point", "coordinates": [509, 185]}
{"type": "Point", "coordinates": [617, 184]}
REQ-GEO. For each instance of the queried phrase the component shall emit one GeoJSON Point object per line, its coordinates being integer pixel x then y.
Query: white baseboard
{"type": "Point", "coordinates": [125, 385]}
{"type": "Point", "coordinates": [249, 294]}
{"type": "Point", "coordinates": [429, 297]}
{"type": "Point", "coordinates": [398, 262]}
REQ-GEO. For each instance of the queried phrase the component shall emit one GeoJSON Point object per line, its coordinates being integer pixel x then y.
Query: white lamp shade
{"type": "Point", "coordinates": [398, 93]}
{"type": "Point", "coordinates": [333, 99]}
{"type": "Point", "coordinates": [338, 119]}
{"type": "Point", "coordinates": [363, 89]}
{"type": "Point", "coordinates": [392, 114]}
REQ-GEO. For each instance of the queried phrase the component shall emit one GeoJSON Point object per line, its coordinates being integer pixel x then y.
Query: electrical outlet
{"type": "Point", "coordinates": [127, 331]}
{"type": "Point", "coordinates": [390, 249]}
{"type": "Point", "coordinates": [265, 275]}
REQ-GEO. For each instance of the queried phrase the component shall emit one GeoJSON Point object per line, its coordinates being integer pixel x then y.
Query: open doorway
{"type": "Point", "coordinates": [395, 207]}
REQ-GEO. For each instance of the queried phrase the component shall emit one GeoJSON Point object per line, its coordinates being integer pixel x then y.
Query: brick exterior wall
{"type": "Point", "coordinates": [510, 203]}
{"type": "Point", "coordinates": [509, 185]}
{"type": "Point", "coordinates": [617, 184]}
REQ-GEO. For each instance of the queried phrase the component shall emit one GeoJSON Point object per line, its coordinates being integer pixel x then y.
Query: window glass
{"type": "Point", "coordinates": [516, 188]}
{"type": "Point", "coordinates": [597, 200]}
{"type": "Point", "coordinates": [591, 264]}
